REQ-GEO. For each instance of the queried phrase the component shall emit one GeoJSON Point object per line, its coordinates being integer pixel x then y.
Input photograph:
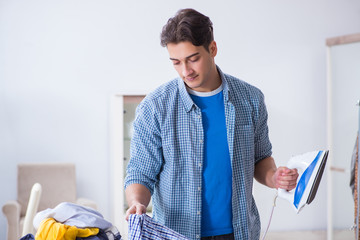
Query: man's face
{"type": "Point", "coordinates": [195, 65]}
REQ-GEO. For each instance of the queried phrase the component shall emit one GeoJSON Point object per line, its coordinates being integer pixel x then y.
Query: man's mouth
{"type": "Point", "coordinates": [191, 78]}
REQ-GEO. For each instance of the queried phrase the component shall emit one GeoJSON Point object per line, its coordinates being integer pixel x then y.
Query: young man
{"type": "Point", "coordinates": [199, 140]}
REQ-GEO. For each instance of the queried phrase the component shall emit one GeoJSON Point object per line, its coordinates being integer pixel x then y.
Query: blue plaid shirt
{"type": "Point", "coordinates": [167, 153]}
{"type": "Point", "coordinates": [143, 227]}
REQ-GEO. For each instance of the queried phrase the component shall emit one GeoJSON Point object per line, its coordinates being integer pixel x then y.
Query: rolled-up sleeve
{"type": "Point", "coordinates": [263, 148]}
{"type": "Point", "coordinates": [146, 149]}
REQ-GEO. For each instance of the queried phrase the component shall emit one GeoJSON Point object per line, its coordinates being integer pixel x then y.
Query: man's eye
{"type": "Point", "coordinates": [194, 59]}
{"type": "Point", "coordinates": [176, 63]}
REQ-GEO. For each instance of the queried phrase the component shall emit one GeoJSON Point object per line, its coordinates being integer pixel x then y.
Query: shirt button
{"type": "Point", "coordinates": [201, 141]}
{"type": "Point", "coordinates": [199, 188]}
{"type": "Point", "coordinates": [200, 164]}
{"type": "Point", "coordinates": [197, 236]}
{"type": "Point", "coordinates": [198, 212]}
{"type": "Point", "coordinates": [199, 116]}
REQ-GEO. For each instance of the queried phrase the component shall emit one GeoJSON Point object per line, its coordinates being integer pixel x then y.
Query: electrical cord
{"type": "Point", "coordinates": [272, 210]}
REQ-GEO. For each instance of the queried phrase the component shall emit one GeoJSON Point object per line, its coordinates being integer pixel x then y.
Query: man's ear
{"type": "Point", "coordinates": [213, 49]}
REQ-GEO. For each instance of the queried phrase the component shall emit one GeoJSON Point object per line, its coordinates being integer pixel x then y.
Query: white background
{"type": "Point", "coordinates": [61, 61]}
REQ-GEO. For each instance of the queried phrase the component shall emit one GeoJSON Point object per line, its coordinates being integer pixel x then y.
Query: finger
{"type": "Point", "coordinates": [128, 213]}
{"type": "Point", "coordinates": [283, 171]}
{"type": "Point", "coordinates": [285, 183]}
{"type": "Point", "coordinates": [287, 186]}
{"type": "Point", "coordinates": [140, 210]}
{"type": "Point", "coordinates": [131, 210]}
{"type": "Point", "coordinates": [289, 178]}
{"type": "Point", "coordinates": [291, 173]}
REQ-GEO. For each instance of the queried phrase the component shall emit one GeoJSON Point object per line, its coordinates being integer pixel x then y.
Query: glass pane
{"type": "Point", "coordinates": [345, 72]}
{"type": "Point", "coordinates": [130, 104]}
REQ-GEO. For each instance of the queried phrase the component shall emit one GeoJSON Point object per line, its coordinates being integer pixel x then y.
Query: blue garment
{"type": "Point", "coordinates": [108, 234]}
{"type": "Point", "coordinates": [216, 215]}
{"type": "Point", "coordinates": [100, 236]}
{"type": "Point", "coordinates": [28, 237]}
{"type": "Point", "coordinates": [167, 153]}
{"type": "Point", "coordinates": [143, 227]}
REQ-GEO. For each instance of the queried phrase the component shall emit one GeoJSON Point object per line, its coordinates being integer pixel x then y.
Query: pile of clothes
{"type": "Point", "coordinates": [69, 221]}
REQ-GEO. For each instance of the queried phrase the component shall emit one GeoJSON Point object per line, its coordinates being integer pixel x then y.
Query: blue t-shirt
{"type": "Point", "coordinates": [216, 218]}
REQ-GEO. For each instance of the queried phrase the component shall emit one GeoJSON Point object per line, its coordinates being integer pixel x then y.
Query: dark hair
{"type": "Point", "coordinates": [188, 25]}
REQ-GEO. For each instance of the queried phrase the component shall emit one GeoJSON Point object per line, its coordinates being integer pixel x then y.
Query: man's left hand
{"type": "Point", "coordinates": [285, 178]}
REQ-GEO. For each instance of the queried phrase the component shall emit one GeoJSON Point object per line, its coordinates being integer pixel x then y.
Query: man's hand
{"type": "Point", "coordinates": [136, 208]}
{"type": "Point", "coordinates": [268, 174]}
{"type": "Point", "coordinates": [138, 197]}
{"type": "Point", "coordinates": [285, 178]}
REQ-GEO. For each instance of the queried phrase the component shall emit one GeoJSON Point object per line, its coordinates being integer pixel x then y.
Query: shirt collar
{"type": "Point", "coordinates": [204, 94]}
{"type": "Point", "coordinates": [224, 83]}
{"type": "Point", "coordinates": [186, 99]}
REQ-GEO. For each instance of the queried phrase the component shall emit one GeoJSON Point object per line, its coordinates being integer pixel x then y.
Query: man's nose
{"type": "Point", "coordinates": [187, 70]}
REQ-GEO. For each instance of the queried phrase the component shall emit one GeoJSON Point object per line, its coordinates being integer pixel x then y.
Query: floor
{"type": "Point", "coordinates": [310, 235]}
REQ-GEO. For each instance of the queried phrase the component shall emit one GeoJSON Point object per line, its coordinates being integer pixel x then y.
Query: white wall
{"type": "Point", "coordinates": [60, 61]}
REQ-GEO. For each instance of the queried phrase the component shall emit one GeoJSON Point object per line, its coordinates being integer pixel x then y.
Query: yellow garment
{"type": "Point", "coordinates": [52, 230]}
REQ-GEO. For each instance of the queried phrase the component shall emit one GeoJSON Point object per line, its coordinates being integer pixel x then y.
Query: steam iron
{"type": "Point", "coordinates": [312, 165]}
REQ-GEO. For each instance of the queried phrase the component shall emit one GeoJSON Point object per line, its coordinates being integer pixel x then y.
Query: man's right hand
{"type": "Point", "coordinates": [137, 208]}
{"type": "Point", "coordinates": [138, 197]}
